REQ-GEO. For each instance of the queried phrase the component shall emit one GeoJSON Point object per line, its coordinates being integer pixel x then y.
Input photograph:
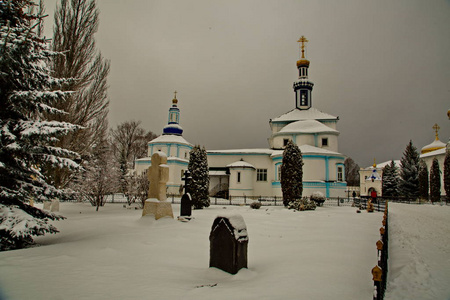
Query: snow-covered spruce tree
{"type": "Point", "coordinates": [27, 92]}
{"type": "Point", "coordinates": [390, 185]}
{"type": "Point", "coordinates": [423, 180]}
{"type": "Point", "coordinates": [447, 172]}
{"type": "Point", "coordinates": [291, 173]}
{"type": "Point", "coordinates": [435, 181]}
{"type": "Point", "coordinates": [409, 173]}
{"type": "Point", "coordinates": [198, 167]}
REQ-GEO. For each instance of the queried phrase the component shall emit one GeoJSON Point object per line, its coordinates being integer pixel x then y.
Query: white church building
{"type": "Point", "coordinates": [256, 172]}
{"type": "Point", "coordinates": [172, 143]}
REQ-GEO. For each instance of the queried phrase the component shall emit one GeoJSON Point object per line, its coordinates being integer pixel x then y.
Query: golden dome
{"type": "Point", "coordinates": [436, 144]}
{"type": "Point", "coordinates": [175, 100]}
{"type": "Point", "coordinates": [303, 62]}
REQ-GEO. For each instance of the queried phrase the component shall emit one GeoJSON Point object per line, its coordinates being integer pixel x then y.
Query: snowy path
{"type": "Point", "coordinates": [419, 260]}
{"type": "Point", "coordinates": [116, 254]}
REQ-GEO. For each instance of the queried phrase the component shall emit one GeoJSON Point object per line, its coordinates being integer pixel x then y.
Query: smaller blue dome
{"type": "Point", "coordinates": [174, 129]}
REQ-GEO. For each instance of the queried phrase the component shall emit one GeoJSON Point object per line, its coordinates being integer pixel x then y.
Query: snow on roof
{"type": "Point", "coordinates": [173, 126]}
{"type": "Point", "coordinates": [170, 158]}
{"type": "Point", "coordinates": [307, 126]}
{"type": "Point", "coordinates": [384, 164]}
{"type": "Point", "coordinates": [303, 148]}
{"type": "Point", "coordinates": [242, 151]}
{"type": "Point", "coordinates": [240, 164]}
{"type": "Point", "coordinates": [169, 138]}
{"type": "Point", "coordinates": [436, 144]}
{"type": "Point", "coordinates": [434, 153]}
{"type": "Point", "coordinates": [217, 173]}
{"type": "Point", "coordinates": [309, 114]}
{"type": "Point", "coordinates": [308, 149]}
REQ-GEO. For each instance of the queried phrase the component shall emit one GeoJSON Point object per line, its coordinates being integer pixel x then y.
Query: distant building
{"type": "Point", "coordinates": [370, 177]}
{"type": "Point", "coordinates": [172, 143]}
{"type": "Point", "coordinates": [435, 150]}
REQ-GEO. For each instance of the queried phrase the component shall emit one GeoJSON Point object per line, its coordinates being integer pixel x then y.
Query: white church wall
{"type": "Point", "coordinates": [313, 169]}
{"type": "Point", "coordinates": [176, 172]}
{"type": "Point", "coordinates": [332, 142]}
{"type": "Point", "coordinates": [241, 181]}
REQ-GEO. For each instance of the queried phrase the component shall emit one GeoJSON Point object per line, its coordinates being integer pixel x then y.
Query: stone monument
{"type": "Point", "coordinates": [228, 244]}
{"type": "Point", "coordinates": [158, 174]}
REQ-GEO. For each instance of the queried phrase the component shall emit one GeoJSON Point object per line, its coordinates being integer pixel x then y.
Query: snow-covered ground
{"type": "Point", "coordinates": [419, 258]}
{"type": "Point", "coordinates": [322, 254]}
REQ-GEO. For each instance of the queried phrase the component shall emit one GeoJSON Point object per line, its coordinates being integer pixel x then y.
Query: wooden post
{"type": "Point", "coordinates": [376, 277]}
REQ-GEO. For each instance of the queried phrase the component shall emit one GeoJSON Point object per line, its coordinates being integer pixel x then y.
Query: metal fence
{"type": "Point", "coordinates": [265, 200]}
{"type": "Point", "coordinates": [380, 271]}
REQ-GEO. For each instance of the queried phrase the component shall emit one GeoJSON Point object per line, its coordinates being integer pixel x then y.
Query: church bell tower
{"type": "Point", "coordinates": [303, 87]}
{"type": "Point", "coordinates": [173, 127]}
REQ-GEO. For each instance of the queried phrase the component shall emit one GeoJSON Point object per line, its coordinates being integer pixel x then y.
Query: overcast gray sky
{"type": "Point", "coordinates": [382, 66]}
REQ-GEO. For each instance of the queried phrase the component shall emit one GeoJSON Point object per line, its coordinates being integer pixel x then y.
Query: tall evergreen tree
{"type": "Point", "coordinates": [291, 173]}
{"type": "Point", "coordinates": [435, 181]}
{"type": "Point", "coordinates": [198, 167]}
{"type": "Point", "coordinates": [390, 180]}
{"type": "Point", "coordinates": [447, 172]}
{"type": "Point", "coordinates": [26, 94]}
{"type": "Point", "coordinates": [76, 22]}
{"type": "Point", "coordinates": [423, 180]}
{"type": "Point", "coordinates": [409, 172]}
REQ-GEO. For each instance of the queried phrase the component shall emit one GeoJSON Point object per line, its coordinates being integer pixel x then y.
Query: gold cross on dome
{"type": "Point", "coordinates": [436, 128]}
{"type": "Point", "coordinates": [175, 94]}
{"type": "Point", "coordinates": [303, 40]}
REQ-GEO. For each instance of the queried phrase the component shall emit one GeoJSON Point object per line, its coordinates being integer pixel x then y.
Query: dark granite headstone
{"type": "Point", "coordinates": [228, 244]}
{"type": "Point", "coordinates": [186, 205]}
{"type": "Point", "coordinates": [186, 200]}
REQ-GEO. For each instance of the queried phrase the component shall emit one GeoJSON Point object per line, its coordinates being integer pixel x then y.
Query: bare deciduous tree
{"type": "Point", "coordinates": [76, 22]}
{"type": "Point", "coordinates": [351, 172]}
{"type": "Point", "coordinates": [129, 142]}
{"type": "Point", "coordinates": [99, 176]}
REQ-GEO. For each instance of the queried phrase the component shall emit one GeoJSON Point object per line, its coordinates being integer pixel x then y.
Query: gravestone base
{"type": "Point", "coordinates": [47, 204]}
{"type": "Point", "coordinates": [54, 206]}
{"type": "Point", "coordinates": [159, 209]}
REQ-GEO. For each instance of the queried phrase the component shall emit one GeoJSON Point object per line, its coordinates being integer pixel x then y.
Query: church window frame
{"type": "Point", "coordinates": [261, 174]}
{"type": "Point", "coordinates": [340, 174]}
{"type": "Point", "coordinates": [278, 172]}
{"type": "Point", "coordinates": [285, 142]}
{"type": "Point", "coordinates": [325, 142]}
{"type": "Point", "coordinates": [304, 98]}
{"type": "Point", "coordinates": [238, 179]}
